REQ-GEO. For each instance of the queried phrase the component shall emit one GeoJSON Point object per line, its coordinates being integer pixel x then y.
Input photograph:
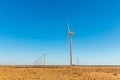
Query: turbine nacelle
{"type": "Point", "coordinates": [70, 33]}
{"type": "Point", "coordinates": [69, 30]}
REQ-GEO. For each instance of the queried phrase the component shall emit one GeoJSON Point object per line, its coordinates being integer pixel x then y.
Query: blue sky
{"type": "Point", "coordinates": [28, 28]}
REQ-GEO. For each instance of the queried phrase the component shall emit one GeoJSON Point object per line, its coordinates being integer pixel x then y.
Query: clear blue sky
{"type": "Point", "coordinates": [28, 28]}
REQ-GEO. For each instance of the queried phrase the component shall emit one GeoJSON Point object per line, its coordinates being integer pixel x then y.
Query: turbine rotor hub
{"type": "Point", "coordinates": [70, 33]}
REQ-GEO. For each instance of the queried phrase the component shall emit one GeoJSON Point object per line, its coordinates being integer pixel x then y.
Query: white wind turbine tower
{"type": "Point", "coordinates": [70, 33]}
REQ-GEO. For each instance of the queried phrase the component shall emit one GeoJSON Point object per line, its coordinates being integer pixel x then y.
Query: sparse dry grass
{"type": "Point", "coordinates": [60, 73]}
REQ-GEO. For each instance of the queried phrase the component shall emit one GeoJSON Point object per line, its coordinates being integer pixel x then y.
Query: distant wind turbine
{"type": "Point", "coordinates": [41, 60]}
{"type": "Point", "coordinates": [44, 59]}
{"type": "Point", "coordinates": [38, 61]}
{"type": "Point", "coordinates": [78, 61]}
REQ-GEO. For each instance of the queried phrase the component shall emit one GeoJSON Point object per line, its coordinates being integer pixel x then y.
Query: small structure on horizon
{"type": "Point", "coordinates": [44, 59]}
{"type": "Point", "coordinates": [78, 61]}
{"type": "Point", "coordinates": [38, 61]}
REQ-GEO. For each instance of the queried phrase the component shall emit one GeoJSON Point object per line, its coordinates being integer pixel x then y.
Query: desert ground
{"type": "Point", "coordinates": [59, 72]}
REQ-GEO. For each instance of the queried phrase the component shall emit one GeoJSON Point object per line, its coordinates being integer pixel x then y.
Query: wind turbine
{"type": "Point", "coordinates": [44, 58]}
{"type": "Point", "coordinates": [37, 61]}
{"type": "Point", "coordinates": [78, 61]}
{"type": "Point", "coordinates": [70, 33]}
{"type": "Point", "coordinates": [41, 60]}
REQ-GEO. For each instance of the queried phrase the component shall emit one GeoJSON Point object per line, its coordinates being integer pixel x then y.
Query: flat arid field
{"type": "Point", "coordinates": [59, 73]}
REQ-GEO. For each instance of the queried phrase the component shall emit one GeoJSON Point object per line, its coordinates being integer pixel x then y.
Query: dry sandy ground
{"type": "Point", "coordinates": [60, 73]}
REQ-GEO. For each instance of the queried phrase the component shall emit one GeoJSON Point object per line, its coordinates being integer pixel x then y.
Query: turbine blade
{"type": "Point", "coordinates": [73, 33]}
{"type": "Point", "coordinates": [68, 27]}
{"type": "Point", "coordinates": [66, 39]}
